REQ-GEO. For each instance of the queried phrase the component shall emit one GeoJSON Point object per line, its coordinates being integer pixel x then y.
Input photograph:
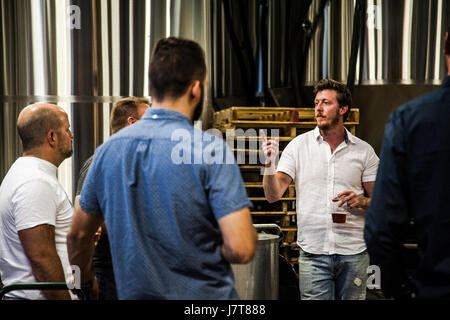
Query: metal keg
{"type": "Point", "coordinates": [258, 280]}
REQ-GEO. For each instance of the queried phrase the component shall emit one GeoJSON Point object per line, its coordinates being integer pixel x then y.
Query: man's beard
{"type": "Point", "coordinates": [67, 153]}
{"type": "Point", "coordinates": [329, 125]}
{"type": "Point", "coordinates": [199, 108]}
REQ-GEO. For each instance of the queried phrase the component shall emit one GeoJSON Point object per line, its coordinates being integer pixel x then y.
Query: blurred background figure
{"type": "Point", "coordinates": [413, 184]}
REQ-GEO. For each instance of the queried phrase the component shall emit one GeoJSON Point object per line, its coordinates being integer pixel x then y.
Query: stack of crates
{"type": "Point", "coordinates": [240, 127]}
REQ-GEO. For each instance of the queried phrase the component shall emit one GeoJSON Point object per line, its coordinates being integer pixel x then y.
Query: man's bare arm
{"type": "Point", "coordinates": [368, 186]}
{"type": "Point", "coordinates": [40, 248]}
{"type": "Point", "coordinates": [275, 185]}
{"type": "Point", "coordinates": [239, 236]}
{"type": "Point", "coordinates": [80, 242]}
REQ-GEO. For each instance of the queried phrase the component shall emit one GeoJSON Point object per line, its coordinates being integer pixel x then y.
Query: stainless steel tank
{"type": "Point", "coordinates": [258, 280]}
{"type": "Point", "coordinates": [84, 56]}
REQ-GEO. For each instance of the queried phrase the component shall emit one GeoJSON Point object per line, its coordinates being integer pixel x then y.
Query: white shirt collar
{"type": "Point", "coordinates": [348, 136]}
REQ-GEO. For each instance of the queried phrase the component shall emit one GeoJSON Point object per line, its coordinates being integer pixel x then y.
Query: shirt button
{"type": "Point", "coordinates": [155, 116]}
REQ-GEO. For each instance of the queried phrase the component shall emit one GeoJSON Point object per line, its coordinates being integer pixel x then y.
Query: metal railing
{"type": "Point", "coordinates": [37, 286]}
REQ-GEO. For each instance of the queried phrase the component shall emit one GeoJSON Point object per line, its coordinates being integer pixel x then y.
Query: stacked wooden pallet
{"type": "Point", "coordinates": [240, 127]}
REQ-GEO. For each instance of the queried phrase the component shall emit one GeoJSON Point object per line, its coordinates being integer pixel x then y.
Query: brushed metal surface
{"type": "Point", "coordinates": [84, 56]}
{"type": "Point", "coordinates": [258, 280]}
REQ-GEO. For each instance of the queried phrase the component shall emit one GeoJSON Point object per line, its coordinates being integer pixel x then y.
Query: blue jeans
{"type": "Point", "coordinates": [333, 277]}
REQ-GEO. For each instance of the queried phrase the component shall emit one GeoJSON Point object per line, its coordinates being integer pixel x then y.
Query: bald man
{"type": "Point", "coordinates": [35, 212]}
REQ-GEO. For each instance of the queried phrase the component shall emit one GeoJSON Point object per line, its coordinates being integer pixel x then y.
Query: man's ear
{"type": "Point", "coordinates": [195, 91]}
{"type": "Point", "coordinates": [131, 120]}
{"type": "Point", "coordinates": [51, 137]}
{"type": "Point", "coordinates": [446, 44]}
{"type": "Point", "coordinates": [343, 109]}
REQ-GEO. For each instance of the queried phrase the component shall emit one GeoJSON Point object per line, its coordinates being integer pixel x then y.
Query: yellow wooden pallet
{"type": "Point", "coordinates": [289, 234]}
{"type": "Point", "coordinates": [288, 120]}
{"type": "Point", "coordinates": [264, 199]}
{"type": "Point", "coordinates": [273, 213]}
{"type": "Point", "coordinates": [245, 116]}
{"type": "Point", "coordinates": [290, 192]}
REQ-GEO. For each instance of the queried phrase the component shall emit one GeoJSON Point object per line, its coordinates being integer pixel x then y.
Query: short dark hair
{"type": "Point", "coordinates": [174, 65]}
{"type": "Point", "coordinates": [343, 94]}
{"type": "Point", "coordinates": [124, 108]}
{"type": "Point", "coordinates": [35, 129]}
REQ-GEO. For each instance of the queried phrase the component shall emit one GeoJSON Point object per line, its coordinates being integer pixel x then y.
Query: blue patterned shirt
{"type": "Point", "coordinates": [162, 185]}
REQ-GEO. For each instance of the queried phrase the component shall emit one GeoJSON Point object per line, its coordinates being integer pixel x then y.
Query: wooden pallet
{"type": "Point", "coordinates": [289, 116]}
{"type": "Point", "coordinates": [264, 117]}
{"type": "Point", "coordinates": [291, 233]}
{"type": "Point", "coordinates": [290, 192]}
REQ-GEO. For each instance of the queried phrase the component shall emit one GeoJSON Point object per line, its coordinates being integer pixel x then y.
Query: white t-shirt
{"type": "Point", "coordinates": [319, 176]}
{"type": "Point", "coordinates": [30, 195]}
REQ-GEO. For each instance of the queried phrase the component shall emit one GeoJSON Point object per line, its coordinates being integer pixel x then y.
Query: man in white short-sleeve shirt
{"type": "Point", "coordinates": [35, 212]}
{"type": "Point", "coordinates": [333, 170]}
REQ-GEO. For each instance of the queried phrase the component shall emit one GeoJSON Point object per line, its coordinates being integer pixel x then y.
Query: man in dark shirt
{"type": "Point", "coordinates": [413, 183]}
{"type": "Point", "coordinates": [124, 113]}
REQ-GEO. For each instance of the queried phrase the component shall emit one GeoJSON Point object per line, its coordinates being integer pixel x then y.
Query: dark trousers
{"type": "Point", "coordinates": [106, 284]}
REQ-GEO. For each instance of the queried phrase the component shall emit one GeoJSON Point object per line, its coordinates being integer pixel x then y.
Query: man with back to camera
{"type": "Point", "coordinates": [35, 212]}
{"type": "Point", "coordinates": [331, 168]}
{"type": "Point", "coordinates": [174, 228]}
{"type": "Point", "coordinates": [413, 184]}
{"type": "Point", "coordinates": [125, 112]}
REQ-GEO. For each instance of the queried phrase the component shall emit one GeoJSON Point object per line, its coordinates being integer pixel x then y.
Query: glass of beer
{"type": "Point", "coordinates": [339, 213]}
